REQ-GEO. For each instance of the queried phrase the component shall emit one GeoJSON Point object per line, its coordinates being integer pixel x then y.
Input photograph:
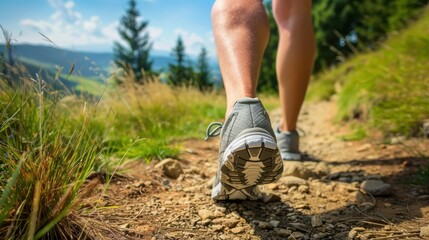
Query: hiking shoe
{"type": "Point", "coordinates": [248, 154]}
{"type": "Point", "coordinates": [288, 143]}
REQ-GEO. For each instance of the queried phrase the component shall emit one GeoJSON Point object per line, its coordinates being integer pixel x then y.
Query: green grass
{"type": "Point", "coordinates": [43, 165]}
{"type": "Point", "coordinates": [388, 89]}
{"type": "Point", "coordinates": [159, 115]}
{"type": "Point", "coordinates": [90, 85]}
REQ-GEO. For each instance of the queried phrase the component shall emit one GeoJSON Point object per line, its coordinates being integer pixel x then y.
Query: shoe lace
{"type": "Point", "coordinates": [213, 130]}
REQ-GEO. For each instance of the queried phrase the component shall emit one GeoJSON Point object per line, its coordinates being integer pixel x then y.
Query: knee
{"type": "Point", "coordinates": [231, 13]}
{"type": "Point", "coordinates": [288, 13]}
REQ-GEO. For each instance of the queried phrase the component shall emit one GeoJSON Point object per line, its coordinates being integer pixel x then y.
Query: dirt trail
{"type": "Point", "coordinates": [325, 200]}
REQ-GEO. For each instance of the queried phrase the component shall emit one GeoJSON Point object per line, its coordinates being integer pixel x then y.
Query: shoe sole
{"type": "Point", "coordinates": [250, 160]}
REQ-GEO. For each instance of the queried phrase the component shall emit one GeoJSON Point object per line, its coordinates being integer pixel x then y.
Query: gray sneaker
{"type": "Point", "coordinates": [288, 143]}
{"type": "Point", "coordinates": [248, 154]}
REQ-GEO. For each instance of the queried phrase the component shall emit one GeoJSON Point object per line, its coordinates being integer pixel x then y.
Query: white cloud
{"type": "Point", "coordinates": [67, 27]}
{"type": "Point", "coordinates": [192, 41]}
{"type": "Point", "coordinates": [154, 32]}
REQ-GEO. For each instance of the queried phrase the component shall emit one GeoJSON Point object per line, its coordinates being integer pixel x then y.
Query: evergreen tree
{"type": "Point", "coordinates": [180, 73]}
{"type": "Point", "coordinates": [135, 56]}
{"type": "Point", "coordinates": [202, 78]}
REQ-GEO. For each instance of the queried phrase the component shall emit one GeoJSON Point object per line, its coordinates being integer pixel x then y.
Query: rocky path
{"type": "Point", "coordinates": [345, 190]}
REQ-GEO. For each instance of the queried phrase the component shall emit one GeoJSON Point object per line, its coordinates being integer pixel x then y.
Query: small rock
{"type": "Point", "coordinates": [345, 179]}
{"type": "Point", "coordinates": [397, 140]}
{"type": "Point", "coordinates": [270, 198]}
{"type": "Point", "coordinates": [206, 222]}
{"type": "Point", "coordinates": [237, 230]}
{"type": "Point", "coordinates": [341, 235]}
{"type": "Point", "coordinates": [217, 228]}
{"type": "Point", "coordinates": [296, 169]}
{"type": "Point", "coordinates": [424, 231]}
{"type": "Point", "coordinates": [205, 214]}
{"type": "Point", "coordinates": [303, 189]}
{"type": "Point", "coordinates": [292, 181]}
{"type": "Point", "coordinates": [248, 213]}
{"type": "Point", "coordinates": [282, 232]}
{"type": "Point", "coordinates": [125, 225]}
{"type": "Point", "coordinates": [274, 223]}
{"type": "Point", "coordinates": [230, 223]}
{"type": "Point", "coordinates": [265, 225]}
{"type": "Point", "coordinates": [218, 213]}
{"type": "Point", "coordinates": [170, 168]}
{"type": "Point", "coordinates": [322, 169]}
{"type": "Point", "coordinates": [299, 226]}
{"type": "Point", "coordinates": [316, 221]}
{"type": "Point", "coordinates": [296, 235]}
{"type": "Point", "coordinates": [376, 187]}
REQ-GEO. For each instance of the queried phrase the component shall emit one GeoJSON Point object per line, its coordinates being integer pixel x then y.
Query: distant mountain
{"type": "Point", "coordinates": [89, 68]}
{"type": "Point", "coordinates": [87, 64]}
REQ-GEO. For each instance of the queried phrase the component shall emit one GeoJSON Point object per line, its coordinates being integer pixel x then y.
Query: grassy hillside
{"type": "Point", "coordinates": [386, 90]}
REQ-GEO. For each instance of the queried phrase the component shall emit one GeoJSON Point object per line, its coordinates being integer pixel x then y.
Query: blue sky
{"type": "Point", "coordinates": [91, 25]}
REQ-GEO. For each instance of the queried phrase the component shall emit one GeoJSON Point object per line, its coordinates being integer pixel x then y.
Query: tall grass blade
{"type": "Point", "coordinates": [34, 210]}
{"type": "Point", "coordinates": [4, 205]}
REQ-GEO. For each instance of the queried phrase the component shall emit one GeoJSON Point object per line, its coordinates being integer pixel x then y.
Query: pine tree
{"type": "Point", "coordinates": [135, 56]}
{"type": "Point", "coordinates": [180, 72]}
{"type": "Point", "coordinates": [202, 77]}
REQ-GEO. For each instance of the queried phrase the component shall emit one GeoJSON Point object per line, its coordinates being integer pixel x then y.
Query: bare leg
{"type": "Point", "coordinates": [241, 32]}
{"type": "Point", "coordinates": [295, 56]}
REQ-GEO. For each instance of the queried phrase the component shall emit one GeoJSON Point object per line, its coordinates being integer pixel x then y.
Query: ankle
{"type": "Point", "coordinates": [284, 127]}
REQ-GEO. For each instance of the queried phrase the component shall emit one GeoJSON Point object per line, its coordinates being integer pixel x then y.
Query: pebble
{"type": "Point", "coordinates": [205, 214]}
{"type": "Point", "coordinates": [218, 213]}
{"type": "Point", "coordinates": [322, 169]}
{"type": "Point", "coordinates": [282, 232]}
{"type": "Point", "coordinates": [265, 225]}
{"type": "Point", "coordinates": [170, 168]}
{"type": "Point", "coordinates": [217, 228]}
{"type": "Point", "coordinates": [237, 230]}
{"type": "Point", "coordinates": [270, 198]}
{"type": "Point", "coordinates": [206, 222]}
{"type": "Point", "coordinates": [292, 181]}
{"type": "Point", "coordinates": [274, 223]}
{"type": "Point", "coordinates": [345, 179]}
{"type": "Point", "coordinates": [424, 231]}
{"type": "Point", "coordinates": [316, 221]}
{"type": "Point", "coordinates": [296, 169]}
{"type": "Point", "coordinates": [230, 223]}
{"type": "Point", "coordinates": [341, 235]}
{"type": "Point", "coordinates": [299, 226]}
{"type": "Point", "coordinates": [296, 235]}
{"type": "Point", "coordinates": [248, 213]}
{"type": "Point", "coordinates": [352, 234]}
{"type": "Point", "coordinates": [376, 188]}
{"type": "Point", "coordinates": [303, 189]}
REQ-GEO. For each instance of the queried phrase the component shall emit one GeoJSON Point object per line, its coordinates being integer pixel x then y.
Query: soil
{"type": "Point", "coordinates": [328, 201]}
